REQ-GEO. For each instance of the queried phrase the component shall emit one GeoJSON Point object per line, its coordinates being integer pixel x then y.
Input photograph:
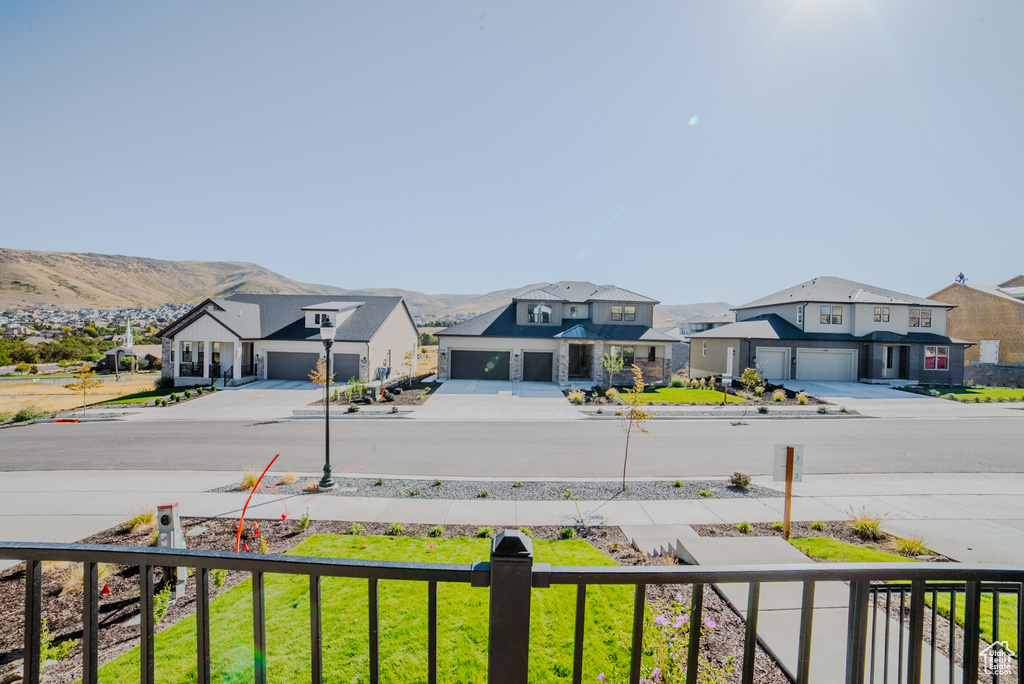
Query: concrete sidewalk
{"type": "Point", "coordinates": [969, 517]}
{"type": "Point", "coordinates": [497, 400]}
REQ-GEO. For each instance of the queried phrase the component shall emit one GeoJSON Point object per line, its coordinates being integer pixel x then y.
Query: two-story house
{"type": "Point", "coordinates": [248, 337]}
{"type": "Point", "coordinates": [559, 333]}
{"type": "Point", "coordinates": [835, 329]}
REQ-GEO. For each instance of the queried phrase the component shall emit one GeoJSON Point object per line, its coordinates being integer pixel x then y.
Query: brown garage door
{"type": "Point", "coordinates": [537, 366]}
{"type": "Point", "coordinates": [479, 365]}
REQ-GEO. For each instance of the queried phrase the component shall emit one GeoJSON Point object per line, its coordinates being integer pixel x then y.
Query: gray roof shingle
{"type": "Point", "coordinates": [774, 327]}
{"type": "Point", "coordinates": [501, 322]}
{"type": "Point", "coordinates": [828, 289]}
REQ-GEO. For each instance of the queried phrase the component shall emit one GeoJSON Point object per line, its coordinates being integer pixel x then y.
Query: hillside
{"type": "Point", "coordinates": [43, 279]}
{"type": "Point", "coordinates": [29, 279]}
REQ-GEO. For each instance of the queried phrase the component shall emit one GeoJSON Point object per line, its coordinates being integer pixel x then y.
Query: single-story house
{"type": "Point", "coordinates": [559, 333]}
{"type": "Point", "coordinates": [248, 337]}
{"type": "Point", "coordinates": [835, 329]}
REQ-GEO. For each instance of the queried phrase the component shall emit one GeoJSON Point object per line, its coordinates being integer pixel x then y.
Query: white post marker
{"type": "Point", "coordinates": [789, 468]}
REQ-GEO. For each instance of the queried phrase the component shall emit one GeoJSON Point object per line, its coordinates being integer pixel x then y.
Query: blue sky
{"type": "Point", "coordinates": [691, 151]}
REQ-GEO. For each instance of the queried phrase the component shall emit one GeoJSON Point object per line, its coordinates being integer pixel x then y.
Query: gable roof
{"type": "Point", "coordinates": [1017, 281]}
{"type": "Point", "coordinates": [501, 322]}
{"type": "Point", "coordinates": [281, 317]}
{"type": "Point", "coordinates": [583, 291]}
{"type": "Point", "coordinates": [826, 289]}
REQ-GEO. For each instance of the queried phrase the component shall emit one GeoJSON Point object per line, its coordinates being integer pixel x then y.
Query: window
{"type": "Point", "coordinates": [629, 314]}
{"type": "Point", "coordinates": [186, 352]}
{"type": "Point", "coordinates": [316, 319]}
{"type": "Point", "coordinates": [800, 315]}
{"type": "Point", "coordinates": [831, 315]}
{"type": "Point", "coordinates": [574, 312]}
{"type": "Point", "coordinates": [650, 353]}
{"type": "Point", "coordinates": [926, 318]}
{"type": "Point", "coordinates": [881, 314]}
{"type": "Point", "coordinates": [920, 318]}
{"type": "Point", "coordinates": [616, 313]}
{"type": "Point", "coordinates": [540, 314]}
{"type": "Point", "coordinates": [936, 358]}
{"type": "Point", "coordinates": [704, 349]}
{"type": "Point", "coordinates": [628, 354]}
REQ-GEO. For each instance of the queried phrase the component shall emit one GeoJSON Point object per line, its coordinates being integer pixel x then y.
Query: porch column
{"type": "Point", "coordinates": [596, 365]}
{"type": "Point", "coordinates": [176, 353]}
{"type": "Point", "coordinates": [563, 361]}
{"type": "Point", "coordinates": [237, 363]}
{"type": "Point", "coordinates": [207, 357]}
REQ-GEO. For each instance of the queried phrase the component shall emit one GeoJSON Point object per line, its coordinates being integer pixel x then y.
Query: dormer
{"type": "Point", "coordinates": [337, 311]}
{"type": "Point", "coordinates": [538, 307]}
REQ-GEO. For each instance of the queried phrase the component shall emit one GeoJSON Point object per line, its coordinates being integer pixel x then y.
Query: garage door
{"type": "Point", "coordinates": [838, 365]}
{"type": "Point", "coordinates": [346, 367]}
{"type": "Point", "coordinates": [537, 366]}
{"type": "Point", "coordinates": [479, 365]}
{"type": "Point", "coordinates": [290, 365]}
{"type": "Point", "coordinates": [772, 363]}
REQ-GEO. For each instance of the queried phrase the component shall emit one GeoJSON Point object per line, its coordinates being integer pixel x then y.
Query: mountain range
{"type": "Point", "coordinates": [31, 279]}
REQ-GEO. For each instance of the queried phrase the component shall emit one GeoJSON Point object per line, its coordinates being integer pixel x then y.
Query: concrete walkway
{"type": "Point", "coordinates": [882, 401]}
{"type": "Point", "coordinates": [264, 400]}
{"type": "Point", "coordinates": [969, 517]}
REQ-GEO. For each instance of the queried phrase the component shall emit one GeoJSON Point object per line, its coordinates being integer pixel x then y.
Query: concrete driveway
{"type": "Point", "coordinates": [263, 400]}
{"type": "Point", "coordinates": [882, 401]}
{"type": "Point", "coordinates": [497, 400]}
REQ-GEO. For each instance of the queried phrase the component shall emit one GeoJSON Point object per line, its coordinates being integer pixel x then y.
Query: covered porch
{"type": "Point", "coordinates": [203, 362]}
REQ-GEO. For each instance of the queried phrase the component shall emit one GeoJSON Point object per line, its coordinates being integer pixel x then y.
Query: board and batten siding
{"type": "Point", "coordinates": [206, 329]}
{"type": "Point", "coordinates": [602, 313]}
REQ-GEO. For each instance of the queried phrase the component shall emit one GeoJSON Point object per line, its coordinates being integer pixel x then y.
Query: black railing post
{"type": "Point", "coordinates": [857, 631]}
{"type": "Point", "coordinates": [33, 620]}
{"type": "Point", "coordinates": [508, 655]}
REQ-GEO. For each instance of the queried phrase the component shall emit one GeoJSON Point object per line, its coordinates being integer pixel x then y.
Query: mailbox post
{"type": "Point", "coordinates": [170, 536]}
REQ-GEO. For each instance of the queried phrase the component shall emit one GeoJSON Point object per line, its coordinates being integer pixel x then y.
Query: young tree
{"type": "Point", "coordinates": [633, 416]}
{"type": "Point", "coordinates": [86, 382]}
{"type": "Point", "coordinates": [409, 361]}
{"type": "Point", "coordinates": [319, 372]}
{"type": "Point", "coordinates": [613, 364]}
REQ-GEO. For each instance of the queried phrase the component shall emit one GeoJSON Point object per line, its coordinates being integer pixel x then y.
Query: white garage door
{"type": "Point", "coordinates": [772, 363]}
{"type": "Point", "coordinates": [838, 365]}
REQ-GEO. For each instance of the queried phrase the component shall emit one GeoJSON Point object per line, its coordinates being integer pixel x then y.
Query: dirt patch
{"type": "Point", "coordinates": [63, 611]}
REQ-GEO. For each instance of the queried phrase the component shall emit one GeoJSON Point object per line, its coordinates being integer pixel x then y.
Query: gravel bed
{"type": "Point", "coordinates": [506, 490]}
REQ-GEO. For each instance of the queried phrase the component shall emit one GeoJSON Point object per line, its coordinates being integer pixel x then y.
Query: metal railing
{"type": "Point", "coordinates": [511, 574]}
{"type": "Point", "coordinates": [247, 370]}
{"type": "Point", "coordinates": [190, 369]}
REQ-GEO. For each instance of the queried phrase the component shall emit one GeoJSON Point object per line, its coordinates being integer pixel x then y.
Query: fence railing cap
{"type": "Point", "coordinates": [512, 543]}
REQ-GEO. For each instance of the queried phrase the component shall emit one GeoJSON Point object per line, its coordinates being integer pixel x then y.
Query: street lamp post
{"type": "Point", "coordinates": [327, 332]}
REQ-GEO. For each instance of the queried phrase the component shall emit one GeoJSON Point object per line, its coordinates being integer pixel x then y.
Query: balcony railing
{"type": "Point", "coordinates": [190, 369]}
{"type": "Point", "coordinates": [511, 574]}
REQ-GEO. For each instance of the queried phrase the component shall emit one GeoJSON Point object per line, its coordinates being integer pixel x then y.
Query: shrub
{"type": "Point", "coordinates": [34, 370]}
{"type": "Point", "coordinates": [142, 521]}
{"type": "Point", "coordinates": [759, 390]}
{"type": "Point", "coordinates": [311, 486]}
{"type": "Point", "coordinates": [199, 391]}
{"type": "Point", "coordinates": [612, 393]}
{"type": "Point", "coordinates": [188, 394]}
{"type": "Point", "coordinates": [567, 494]}
{"type": "Point", "coordinates": [394, 409]}
{"type": "Point", "coordinates": [819, 526]}
{"type": "Point", "coordinates": [567, 533]}
{"type": "Point", "coordinates": [219, 575]}
{"type": "Point", "coordinates": [163, 402]}
{"type": "Point", "coordinates": [485, 532]}
{"type": "Point", "coordinates": [677, 483]}
{"type": "Point", "coordinates": [27, 413]}
{"type": "Point", "coordinates": [161, 602]}
{"type": "Point", "coordinates": [304, 520]}
{"type": "Point", "coordinates": [517, 485]}
{"type": "Point", "coordinates": [288, 478]}
{"type": "Point", "coordinates": [22, 368]}
{"type": "Point", "coordinates": [394, 529]}
{"type": "Point", "coordinates": [576, 396]}
{"type": "Point", "coordinates": [843, 409]}
{"type": "Point", "coordinates": [739, 480]}
{"type": "Point", "coordinates": [437, 483]}
{"type": "Point", "coordinates": [436, 531]}
{"type": "Point", "coordinates": [175, 397]}
{"type": "Point", "coordinates": [676, 381]}
{"type": "Point", "coordinates": [249, 479]}
{"type": "Point", "coordinates": [164, 383]}
{"type": "Point", "coordinates": [50, 651]}
{"type": "Point", "coordinates": [483, 494]}
{"type": "Point", "coordinates": [867, 526]}
{"type": "Point", "coordinates": [750, 378]}
{"type": "Point", "coordinates": [762, 409]}
{"type": "Point", "coordinates": [779, 396]}
{"type": "Point", "coordinates": [527, 531]}
{"type": "Point", "coordinates": [702, 383]}
{"type": "Point", "coordinates": [355, 528]}
{"type": "Point", "coordinates": [379, 482]}
{"type": "Point", "coordinates": [414, 492]}
{"type": "Point", "coordinates": [801, 398]}
{"type": "Point", "coordinates": [6, 417]}
{"type": "Point", "coordinates": [912, 547]}
{"type": "Point", "coordinates": [777, 526]}
{"type": "Point", "coordinates": [744, 527]}
{"type": "Point", "coordinates": [353, 408]}
{"type": "Point", "coordinates": [706, 493]}
{"type": "Point", "coordinates": [823, 409]}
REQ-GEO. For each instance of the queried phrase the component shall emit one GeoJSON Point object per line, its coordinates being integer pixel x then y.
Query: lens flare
{"type": "Point", "coordinates": [693, 121]}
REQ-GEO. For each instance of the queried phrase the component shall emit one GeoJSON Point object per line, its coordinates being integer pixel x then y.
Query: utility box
{"type": "Point", "coordinates": [170, 536]}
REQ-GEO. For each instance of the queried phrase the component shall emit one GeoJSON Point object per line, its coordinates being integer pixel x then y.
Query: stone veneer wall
{"type": "Point", "coordinates": [995, 374]}
{"type": "Point", "coordinates": [442, 365]}
{"type": "Point", "coordinates": [653, 371]}
{"type": "Point", "coordinates": [167, 369]}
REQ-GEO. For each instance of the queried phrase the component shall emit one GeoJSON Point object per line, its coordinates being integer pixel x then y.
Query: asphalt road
{"type": "Point", "coordinates": [674, 448]}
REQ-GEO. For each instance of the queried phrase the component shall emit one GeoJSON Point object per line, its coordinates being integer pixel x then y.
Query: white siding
{"type": "Point", "coordinates": [397, 336]}
{"type": "Point", "coordinates": [206, 329]}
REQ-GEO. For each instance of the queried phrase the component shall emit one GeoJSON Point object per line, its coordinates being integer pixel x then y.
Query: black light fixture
{"type": "Point", "coordinates": [327, 332]}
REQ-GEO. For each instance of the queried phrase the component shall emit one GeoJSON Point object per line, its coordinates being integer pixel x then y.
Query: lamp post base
{"type": "Point", "coordinates": [326, 482]}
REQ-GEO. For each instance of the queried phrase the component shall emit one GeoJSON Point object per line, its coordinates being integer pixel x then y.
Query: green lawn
{"type": "Point", "coordinates": [462, 622]}
{"type": "Point", "coordinates": [831, 549]}
{"type": "Point", "coordinates": [684, 395]}
{"type": "Point", "coordinates": [986, 393]}
{"type": "Point", "coordinates": [143, 397]}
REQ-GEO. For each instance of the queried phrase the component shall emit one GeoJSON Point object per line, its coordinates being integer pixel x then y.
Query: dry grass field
{"type": "Point", "coordinates": [427, 362]}
{"type": "Point", "coordinates": [53, 397]}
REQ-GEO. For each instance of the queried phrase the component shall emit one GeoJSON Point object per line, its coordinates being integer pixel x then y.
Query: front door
{"type": "Point", "coordinates": [890, 361]}
{"type": "Point", "coordinates": [579, 361]}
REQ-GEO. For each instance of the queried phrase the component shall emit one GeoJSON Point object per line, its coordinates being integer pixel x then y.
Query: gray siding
{"type": "Point", "coordinates": [601, 313]}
